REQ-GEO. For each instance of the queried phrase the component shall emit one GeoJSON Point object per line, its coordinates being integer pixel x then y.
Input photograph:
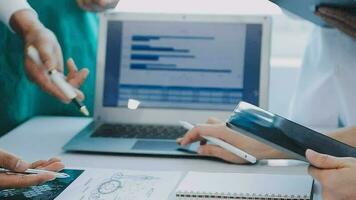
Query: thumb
{"type": "Point", "coordinates": [11, 162]}
{"type": "Point", "coordinates": [324, 161]}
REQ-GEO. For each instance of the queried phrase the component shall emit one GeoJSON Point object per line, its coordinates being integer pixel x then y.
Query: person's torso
{"type": "Point", "coordinates": [326, 92]}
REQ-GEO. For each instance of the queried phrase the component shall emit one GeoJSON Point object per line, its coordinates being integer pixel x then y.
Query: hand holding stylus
{"type": "Point", "coordinates": [65, 86]}
{"type": "Point", "coordinates": [217, 129]}
{"type": "Point", "coordinates": [222, 144]}
{"type": "Point", "coordinates": [20, 179]}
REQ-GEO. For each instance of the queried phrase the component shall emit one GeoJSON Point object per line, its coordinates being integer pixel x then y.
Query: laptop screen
{"type": "Point", "coordinates": [182, 65]}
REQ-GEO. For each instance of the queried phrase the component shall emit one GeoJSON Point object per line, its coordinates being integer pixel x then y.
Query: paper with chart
{"type": "Point", "coordinates": [102, 184]}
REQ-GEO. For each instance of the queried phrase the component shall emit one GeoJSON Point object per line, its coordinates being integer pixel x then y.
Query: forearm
{"type": "Point", "coordinates": [347, 135]}
{"type": "Point", "coordinates": [24, 21]}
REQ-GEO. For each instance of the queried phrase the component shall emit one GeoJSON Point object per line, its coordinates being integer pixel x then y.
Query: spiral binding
{"type": "Point", "coordinates": [191, 195]}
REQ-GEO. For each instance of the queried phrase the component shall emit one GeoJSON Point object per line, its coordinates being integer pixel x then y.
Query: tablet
{"type": "Point", "coordinates": [284, 135]}
{"type": "Point", "coordinates": [307, 8]}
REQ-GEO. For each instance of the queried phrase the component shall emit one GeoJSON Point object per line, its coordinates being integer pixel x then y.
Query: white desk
{"type": "Point", "coordinates": [43, 137]}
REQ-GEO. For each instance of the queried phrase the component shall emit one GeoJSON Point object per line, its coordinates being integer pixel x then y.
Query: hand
{"type": "Point", "coordinates": [11, 162]}
{"type": "Point", "coordinates": [337, 176]}
{"type": "Point", "coordinates": [25, 23]}
{"type": "Point", "coordinates": [51, 55]}
{"type": "Point", "coordinates": [97, 5]}
{"type": "Point", "coordinates": [218, 129]}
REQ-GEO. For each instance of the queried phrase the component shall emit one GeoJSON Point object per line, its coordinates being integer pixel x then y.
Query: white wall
{"type": "Point", "coordinates": [199, 6]}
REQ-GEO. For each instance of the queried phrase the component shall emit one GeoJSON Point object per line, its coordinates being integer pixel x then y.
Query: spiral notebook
{"type": "Point", "coordinates": [202, 185]}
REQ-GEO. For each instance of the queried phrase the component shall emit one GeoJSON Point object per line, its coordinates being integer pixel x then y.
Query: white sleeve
{"type": "Point", "coordinates": [9, 7]}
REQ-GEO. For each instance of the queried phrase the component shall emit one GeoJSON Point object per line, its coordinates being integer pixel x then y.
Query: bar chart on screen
{"type": "Point", "coordinates": [168, 54]}
{"type": "Point", "coordinates": [165, 63]}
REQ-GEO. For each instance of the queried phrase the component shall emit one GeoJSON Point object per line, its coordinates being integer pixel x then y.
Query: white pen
{"type": "Point", "coordinates": [36, 171]}
{"type": "Point", "coordinates": [222, 144]}
{"type": "Point", "coordinates": [58, 79]}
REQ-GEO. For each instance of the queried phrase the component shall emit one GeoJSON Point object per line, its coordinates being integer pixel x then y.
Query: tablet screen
{"type": "Point", "coordinates": [284, 135]}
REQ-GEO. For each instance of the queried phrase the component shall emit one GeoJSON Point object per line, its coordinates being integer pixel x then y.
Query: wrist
{"type": "Point", "coordinates": [25, 21]}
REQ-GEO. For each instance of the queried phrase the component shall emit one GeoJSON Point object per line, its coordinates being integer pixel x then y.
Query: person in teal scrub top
{"type": "Point", "coordinates": [69, 29]}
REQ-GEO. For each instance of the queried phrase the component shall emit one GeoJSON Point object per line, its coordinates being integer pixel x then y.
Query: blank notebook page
{"type": "Point", "coordinates": [236, 184]}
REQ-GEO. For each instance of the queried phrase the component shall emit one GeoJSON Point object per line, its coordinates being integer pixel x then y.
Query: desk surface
{"type": "Point", "coordinates": [43, 137]}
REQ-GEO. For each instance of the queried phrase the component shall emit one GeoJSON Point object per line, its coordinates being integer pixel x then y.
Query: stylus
{"type": "Point", "coordinates": [58, 79]}
{"type": "Point", "coordinates": [36, 171]}
{"type": "Point", "coordinates": [222, 144]}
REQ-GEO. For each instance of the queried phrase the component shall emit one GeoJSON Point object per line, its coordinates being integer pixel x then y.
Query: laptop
{"type": "Point", "coordinates": [156, 69]}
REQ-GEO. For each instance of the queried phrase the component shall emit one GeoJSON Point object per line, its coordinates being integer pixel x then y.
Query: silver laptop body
{"type": "Point", "coordinates": [156, 69]}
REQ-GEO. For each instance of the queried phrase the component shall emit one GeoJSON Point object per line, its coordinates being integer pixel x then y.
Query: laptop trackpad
{"type": "Point", "coordinates": [155, 145]}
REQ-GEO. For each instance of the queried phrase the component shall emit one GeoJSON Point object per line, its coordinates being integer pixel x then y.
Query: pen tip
{"type": "Point", "coordinates": [85, 111]}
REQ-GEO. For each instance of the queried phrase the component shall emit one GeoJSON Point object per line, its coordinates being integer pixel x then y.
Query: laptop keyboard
{"type": "Point", "coordinates": [139, 131]}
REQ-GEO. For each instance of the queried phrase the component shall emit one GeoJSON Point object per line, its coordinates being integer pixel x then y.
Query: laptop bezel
{"type": "Point", "coordinates": [167, 115]}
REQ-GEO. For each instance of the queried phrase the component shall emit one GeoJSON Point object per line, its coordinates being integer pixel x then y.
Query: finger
{"type": "Point", "coordinates": [55, 166]}
{"type": "Point", "coordinates": [38, 76]}
{"type": "Point", "coordinates": [43, 163]}
{"type": "Point", "coordinates": [216, 130]}
{"type": "Point", "coordinates": [179, 141]}
{"type": "Point", "coordinates": [216, 151]}
{"type": "Point", "coordinates": [72, 68]}
{"type": "Point", "coordinates": [12, 162]}
{"type": "Point", "coordinates": [191, 136]}
{"type": "Point", "coordinates": [76, 79]}
{"type": "Point", "coordinates": [213, 120]}
{"type": "Point", "coordinates": [54, 159]}
{"type": "Point", "coordinates": [21, 181]}
{"type": "Point", "coordinates": [79, 78]}
{"type": "Point", "coordinates": [324, 161]}
{"type": "Point", "coordinates": [38, 163]}
{"type": "Point", "coordinates": [46, 85]}
{"type": "Point", "coordinates": [80, 95]}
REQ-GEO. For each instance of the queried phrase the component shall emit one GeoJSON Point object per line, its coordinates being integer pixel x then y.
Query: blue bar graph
{"type": "Point", "coordinates": [147, 38]}
{"type": "Point", "coordinates": [136, 47]}
{"type": "Point", "coordinates": [144, 57]}
{"type": "Point", "coordinates": [176, 56]}
{"type": "Point", "coordinates": [144, 38]}
{"type": "Point", "coordinates": [154, 67]}
{"type": "Point", "coordinates": [147, 66]}
{"type": "Point", "coordinates": [152, 57]}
